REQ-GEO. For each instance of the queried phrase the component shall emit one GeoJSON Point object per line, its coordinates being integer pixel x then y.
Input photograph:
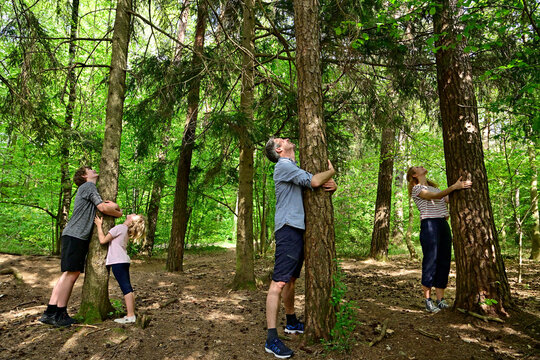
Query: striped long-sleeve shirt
{"type": "Point", "coordinates": [429, 209]}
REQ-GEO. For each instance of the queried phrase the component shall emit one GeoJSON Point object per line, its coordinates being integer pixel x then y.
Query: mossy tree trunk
{"type": "Point", "coordinates": [167, 104]}
{"type": "Point", "coordinates": [244, 277]}
{"type": "Point", "coordinates": [95, 304]}
{"type": "Point", "coordinates": [175, 255]}
{"type": "Point", "coordinates": [65, 142]}
{"type": "Point", "coordinates": [381, 226]}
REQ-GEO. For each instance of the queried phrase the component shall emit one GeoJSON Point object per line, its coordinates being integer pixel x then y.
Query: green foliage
{"type": "Point", "coordinates": [489, 302]}
{"type": "Point", "coordinates": [118, 306]}
{"type": "Point", "coordinates": [346, 318]}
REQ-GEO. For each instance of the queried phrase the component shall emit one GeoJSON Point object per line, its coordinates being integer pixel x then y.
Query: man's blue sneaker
{"type": "Point", "coordinates": [295, 329]}
{"type": "Point", "coordinates": [278, 348]}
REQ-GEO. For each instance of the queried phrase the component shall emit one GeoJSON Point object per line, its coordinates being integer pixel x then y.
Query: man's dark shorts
{"type": "Point", "coordinates": [74, 252]}
{"type": "Point", "coordinates": [289, 253]}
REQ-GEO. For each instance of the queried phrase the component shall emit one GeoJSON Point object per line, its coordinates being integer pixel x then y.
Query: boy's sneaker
{"type": "Point", "coordinates": [126, 320]}
{"type": "Point", "coordinates": [63, 320]}
{"type": "Point", "coordinates": [278, 348]}
{"type": "Point", "coordinates": [295, 329]}
{"type": "Point", "coordinates": [442, 304]}
{"type": "Point", "coordinates": [431, 307]}
{"type": "Point", "coordinates": [47, 319]}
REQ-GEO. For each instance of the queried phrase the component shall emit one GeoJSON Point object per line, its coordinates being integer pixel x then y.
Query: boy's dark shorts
{"type": "Point", "coordinates": [74, 252]}
{"type": "Point", "coordinates": [289, 256]}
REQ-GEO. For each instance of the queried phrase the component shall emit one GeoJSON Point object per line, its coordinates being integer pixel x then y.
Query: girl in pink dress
{"type": "Point", "coordinates": [117, 258]}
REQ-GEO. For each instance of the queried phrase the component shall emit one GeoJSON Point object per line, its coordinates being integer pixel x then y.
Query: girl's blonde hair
{"type": "Point", "coordinates": [414, 181]}
{"type": "Point", "coordinates": [137, 228]}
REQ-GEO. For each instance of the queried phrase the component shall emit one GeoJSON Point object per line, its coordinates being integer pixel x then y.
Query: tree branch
{"type": "Point", "coordinates": [29, 205]}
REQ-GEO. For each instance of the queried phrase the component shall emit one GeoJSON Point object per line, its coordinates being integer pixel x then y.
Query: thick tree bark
{"type": "Point", "coordinates": [319, 237]}
{"type": "Point", "coordinates": [166, 110]}
{"type": "Point", "coordinates": [65, 182]}
{"type": "Point", "coordinates": [95, 302]}
{"type": "Point", "coordinates": [535, 240]}
{"type": "Point", "coordinates": [381, 226]}
{"type": "Point", "coordinates": [180, 218]}
{"type": "Point", "coordinates": [479, 266]}
{"type": "Point", "coordinates": [245, 275]}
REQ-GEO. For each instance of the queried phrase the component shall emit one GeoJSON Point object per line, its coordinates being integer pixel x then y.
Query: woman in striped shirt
{"type": "Point", "coordinates": [435, 236]}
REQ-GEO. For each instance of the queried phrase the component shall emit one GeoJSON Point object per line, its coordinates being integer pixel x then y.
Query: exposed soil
{"type": "Point", "coordinates": [194, 315]}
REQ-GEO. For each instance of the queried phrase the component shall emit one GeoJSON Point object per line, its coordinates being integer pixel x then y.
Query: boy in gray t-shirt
{"type": "Point", "coordinates": [75, 241]}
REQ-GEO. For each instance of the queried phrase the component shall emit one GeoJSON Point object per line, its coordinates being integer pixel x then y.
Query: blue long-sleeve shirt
{"type": "Point", "coordinates": [290, 180]}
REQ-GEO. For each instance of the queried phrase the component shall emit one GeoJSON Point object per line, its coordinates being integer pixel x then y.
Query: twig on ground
{"type": "Point", "coordinates": [381, 336]}
{"type": "Point", "coordinates": [429, 335]}
{"type": "Point", "coordinates": [481, 317]}
{"type": "Point", "coordinates": [13, 271]}
{"type": "Point", "coordinates": [168, 302]}
{"type": "Point", "coordinates": [95, 331]}
{"type": "Point", "coordinates": [24, 303]}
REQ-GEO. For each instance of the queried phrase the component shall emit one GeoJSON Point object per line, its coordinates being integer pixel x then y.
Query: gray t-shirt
{"type": "Point", "coordinates": [290, 181]}
{"type": "Point", "coordinates": [84, 211]}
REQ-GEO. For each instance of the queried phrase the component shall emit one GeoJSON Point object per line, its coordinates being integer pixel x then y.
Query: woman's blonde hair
{"type": "Point", "coordinates": [414, 181]}
{"type": "Point", "coordinates": [137, 228]}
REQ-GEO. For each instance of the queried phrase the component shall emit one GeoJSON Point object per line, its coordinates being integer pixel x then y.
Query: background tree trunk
{"type": "Point", "coordinates": [180, 218]}
{"type": "Point", "coordinates": [319, 244]}
{"type": "Point", "coordinates": [95, 302]}
{"type": "Point", "coordinates": [65, 181]}
{"type": "Point", "coordinates": [167, 104]}
{"type": "Point", "coordinates": [535, 239]}
{"type": "Point", "coordinates": [480, 269]}
{"type": "Point", "coordinates": [245, 276]}
{"type": "Point", "coordinates": [381, 226]}
{"type": "Point", "coordinates": [397, 233]}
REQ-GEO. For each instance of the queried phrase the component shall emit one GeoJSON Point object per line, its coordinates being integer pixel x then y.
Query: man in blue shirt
{"type": "Point", "coordinates": [290, 181]}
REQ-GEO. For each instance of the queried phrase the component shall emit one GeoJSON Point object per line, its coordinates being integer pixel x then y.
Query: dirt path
{"type": "Point", "coordinates": [196, 316]}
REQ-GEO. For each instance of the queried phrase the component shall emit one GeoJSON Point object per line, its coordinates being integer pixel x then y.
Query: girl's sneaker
{"type": "Point", "coordinates": [126, 320]}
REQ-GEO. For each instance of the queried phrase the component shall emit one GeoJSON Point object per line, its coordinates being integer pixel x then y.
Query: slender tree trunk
{"type": "Point", "coordinates": [397, 234]}
{"type": "Point", "coordinates": [167, 104]}
{"type": "Point", "coordinates": [245, 275]}
{"type": "Point", "coordinates": [517, 217]}
{"type": "Point", "coordinates": [263, 233]}
{"type": "Point", "coordinates": [319, 239]}
{"type": "Point", "coordinates": [95, 302]}
{"type": "Point", "coordinates": [410, 209]}
{"type": "Point", "coordinates": [180, 219]}
{"type": "Point", "coordinates": [65, 182]}
{"type": "Point", "coordinates": [535, 240]}
{"type": "Point", "coordinates": [381, 226]}
{"type": "Point", "coordinates": [408, 237]}
{"type": "Point", "coordinates": [479, 266]}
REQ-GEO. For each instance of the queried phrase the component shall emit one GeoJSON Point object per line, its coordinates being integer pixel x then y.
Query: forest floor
{"type": "Point", "coordinates": [194, 315]}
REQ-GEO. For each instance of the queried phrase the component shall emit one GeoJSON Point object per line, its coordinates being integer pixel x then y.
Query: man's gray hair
{"type": "Point", "coordinates": [270, 150]}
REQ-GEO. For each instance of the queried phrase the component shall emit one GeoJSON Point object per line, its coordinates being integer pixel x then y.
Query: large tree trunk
{"type": "Point", "coordinates": [320, 250]}
{"type": "Point", "coordinates": [95, 302]}
{"type": "Point", "coordinates": [65, 182]}
{"type": "Point", "coordinates": [479, 266]}
{"type": "Point", "coordinates": [535, 240]}
{"type": "Point", "coordinates": [381, 226]}
{"type": "Point", "coordinates": [167, 104]}
{"type": "Point", "coordinates": [245, 276]}
{"type": "Point", "coordinates": [180, 218]}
